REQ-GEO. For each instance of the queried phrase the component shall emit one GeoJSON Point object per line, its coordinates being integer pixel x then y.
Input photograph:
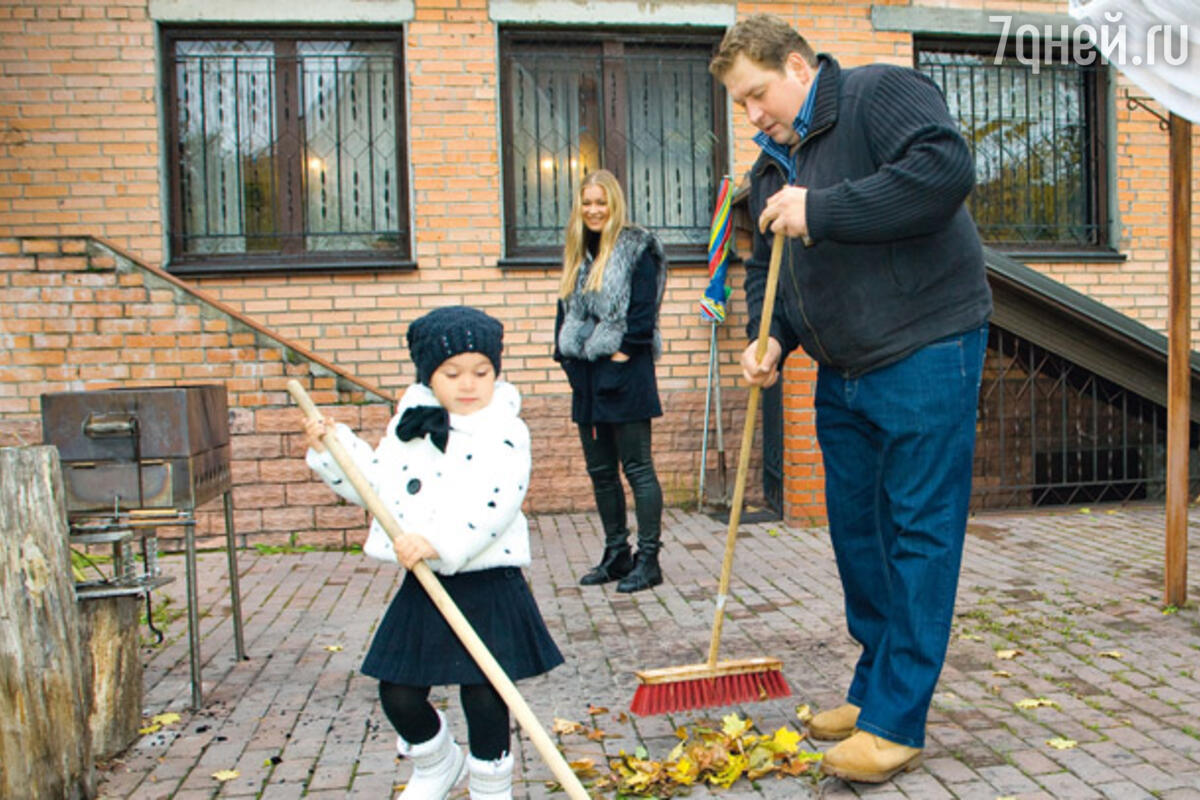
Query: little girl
{"type": "Point", "coordinates": [453, 467]}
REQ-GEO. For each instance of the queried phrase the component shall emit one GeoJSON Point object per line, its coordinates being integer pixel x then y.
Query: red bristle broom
{"type": "Point", "coordinates": [720, 683]}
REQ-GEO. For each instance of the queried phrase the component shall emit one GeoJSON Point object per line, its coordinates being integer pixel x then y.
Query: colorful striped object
{"type": "Point", "coordinates": [712, 305]}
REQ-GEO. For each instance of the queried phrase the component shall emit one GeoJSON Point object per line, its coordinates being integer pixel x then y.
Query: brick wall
{"type": "Point", "coordinates": [80, 152]}
{"type": "Point", "coordinates": [76, 314]}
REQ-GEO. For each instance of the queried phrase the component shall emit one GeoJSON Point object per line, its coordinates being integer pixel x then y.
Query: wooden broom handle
{"type": "Point", "coordinates": [739, 488]}
{"type": "Point", "coordinates": [454, 617]}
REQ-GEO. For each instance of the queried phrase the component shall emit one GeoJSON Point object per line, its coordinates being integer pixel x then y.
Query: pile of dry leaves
{"type": "Point", "coordinates": [719, 756]}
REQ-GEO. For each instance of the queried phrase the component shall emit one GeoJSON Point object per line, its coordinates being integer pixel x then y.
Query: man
{"type": "Point", "coordinates": [883, 284]}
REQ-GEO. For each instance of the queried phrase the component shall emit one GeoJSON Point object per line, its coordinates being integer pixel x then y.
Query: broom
{"type": "Point", "coordinates": [720, 683]}
{"type": "Point", "coordinates": [454, 617]}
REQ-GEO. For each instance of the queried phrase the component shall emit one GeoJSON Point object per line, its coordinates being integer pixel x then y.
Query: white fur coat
{"type": "Point", "coordinates": [466, 501]}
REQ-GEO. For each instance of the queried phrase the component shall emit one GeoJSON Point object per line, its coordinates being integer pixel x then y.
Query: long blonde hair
{"type": "Point", "coordinates": [576, 245]}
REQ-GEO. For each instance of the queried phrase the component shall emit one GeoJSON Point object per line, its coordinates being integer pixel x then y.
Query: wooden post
{"type": "Point", "coordinates": [1179, 348]}
{"type": "Point", "coordinates": [45, 745]}
{"type": "Point", "coordinates": [109, 634]}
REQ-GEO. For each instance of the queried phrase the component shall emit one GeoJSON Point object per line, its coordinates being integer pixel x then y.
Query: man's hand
{"type": "Point", "coordinates": [411, 548]}
{"type": "Point", "coordinates": [786, 212]}
{"type": "Point", "coordinates": [766, 372]}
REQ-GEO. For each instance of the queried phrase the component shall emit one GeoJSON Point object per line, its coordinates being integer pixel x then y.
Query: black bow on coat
{"type": "Point", "coordinates": [431, 421]}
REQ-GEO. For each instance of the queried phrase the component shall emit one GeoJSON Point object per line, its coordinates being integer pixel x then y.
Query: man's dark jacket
{"type": "Point", "coordinates": [895, 261]}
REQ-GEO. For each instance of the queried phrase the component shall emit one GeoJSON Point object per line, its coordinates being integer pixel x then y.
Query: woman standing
{"type": "Point", "coordinates": [607, 340]}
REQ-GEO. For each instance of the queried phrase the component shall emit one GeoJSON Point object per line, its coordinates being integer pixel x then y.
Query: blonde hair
{"type": "Point", "coordinates": [763, 39]}
{"type": "Point", "coordinates": [576, 245]}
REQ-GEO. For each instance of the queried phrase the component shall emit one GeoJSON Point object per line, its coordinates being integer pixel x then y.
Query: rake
{"type": "Point", "coordinates": [720, 683]}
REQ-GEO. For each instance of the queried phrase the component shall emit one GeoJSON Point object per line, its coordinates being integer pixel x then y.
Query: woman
{"type": "Point", "coordinates": [607, 340]}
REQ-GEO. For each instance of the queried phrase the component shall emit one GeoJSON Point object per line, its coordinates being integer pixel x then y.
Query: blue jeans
{"type": "Point", "coordinates": [898, 445]}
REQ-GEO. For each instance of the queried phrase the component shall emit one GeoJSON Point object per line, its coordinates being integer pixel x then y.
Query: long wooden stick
{"type": "Point", "coordinates": [739, 488]}
{"type": "Point", "coordinates": [454, 617]}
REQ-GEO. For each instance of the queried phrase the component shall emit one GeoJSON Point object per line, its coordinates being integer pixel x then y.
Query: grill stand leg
{"type": "Point", "coordinates": [189, 538]}
{"type": "Point", "coordinates": [235, 594]}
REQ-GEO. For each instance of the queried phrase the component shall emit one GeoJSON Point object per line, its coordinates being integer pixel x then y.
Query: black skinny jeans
{"type": "Point", "coordinates": [609, 448]}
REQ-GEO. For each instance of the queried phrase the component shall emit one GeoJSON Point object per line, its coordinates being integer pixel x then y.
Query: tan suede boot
{"type": "Point", "coordinates": [867, 758]}
{"type": "Point", "coordinates": [833, 725]}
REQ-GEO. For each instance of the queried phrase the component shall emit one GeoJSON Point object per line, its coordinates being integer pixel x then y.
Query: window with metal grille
{"type": "Point", "coordinates": [286, 150]}
{"type": "Point", "coordinates": [643, 106]}
{"type": "Point", "coordinates": [1037, 131]}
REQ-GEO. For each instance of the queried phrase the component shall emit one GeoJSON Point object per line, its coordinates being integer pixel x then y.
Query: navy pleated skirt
{"type": "Point", "coordinates": [415, 646]}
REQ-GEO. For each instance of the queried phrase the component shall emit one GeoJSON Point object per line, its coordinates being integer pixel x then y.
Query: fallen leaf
{"type": "Point", "coordinates": [584, 767]}
{"type": "Point", "coordinates": [223, 775]}
{"type": "Point", "coordinates": [595, 735]}
{"type": "Point", "coordinates": [333, 648]}
{"type": "Point", "coordinates": [565, 726]}
{"type": "Point", "coordinates": [1085, 510]}
{"type": "Point", "coordinates": [1038, 702]}
{"type": "Point", "coordinates": [1008, 655]}
{"type": "Point", "coordinates": [149, 729]}
{"type": "Point", "coordinates": [168, 718]}
{"type": "Point", "coordinates": [1002, 673]}
{"type": "Point", "coordinates": [971, 637]}
{"type": "Point", "coordinates": [1059, 743]}
{"type": "Point", "coordinates": [804, 713]}
{"type": "Point", "coordinates": [1117, 654]}
{"type": "Point", "coordinates": [594, 710]}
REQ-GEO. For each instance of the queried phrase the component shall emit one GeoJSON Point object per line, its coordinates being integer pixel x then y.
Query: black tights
{"type": "Point", "coordinates": [409, 711]}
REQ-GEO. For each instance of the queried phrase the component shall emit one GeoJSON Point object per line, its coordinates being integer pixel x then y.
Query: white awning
{"type": "Point", "coordinates": [1156, 43]}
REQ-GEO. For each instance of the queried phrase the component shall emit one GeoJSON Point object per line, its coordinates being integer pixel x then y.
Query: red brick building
{"type": "Point", "coordinates": [202, 190]}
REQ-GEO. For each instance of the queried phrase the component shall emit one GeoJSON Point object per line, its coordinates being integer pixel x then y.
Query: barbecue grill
{"type": "Point", "coordinates": [137, 459]}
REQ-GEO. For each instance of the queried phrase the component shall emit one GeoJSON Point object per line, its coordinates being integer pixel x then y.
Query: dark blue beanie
{"type": "Point", "coordinates": [446, 332]}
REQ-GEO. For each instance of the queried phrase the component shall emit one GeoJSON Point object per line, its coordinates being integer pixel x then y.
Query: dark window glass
{"type": "Point", "coordinates": [286, 150]}
{"type": "Point", "coordinates": [1037, 133]}
{"type": "Point", "coordinates": [642, 106]}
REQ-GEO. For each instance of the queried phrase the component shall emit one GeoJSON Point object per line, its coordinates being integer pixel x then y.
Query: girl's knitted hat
{"type": "Point", "coordinates": [445, 332]}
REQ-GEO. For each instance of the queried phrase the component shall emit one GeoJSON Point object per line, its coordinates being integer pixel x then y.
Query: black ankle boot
{"type": "Point", "coordinates": [616, 563]}
{"type": "Point", "coordinates": [645, 575]}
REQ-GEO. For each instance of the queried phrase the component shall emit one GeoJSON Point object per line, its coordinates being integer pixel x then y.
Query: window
{"type": "Point", "coordinates": [286, 150]}
{"type": "Point", "coordinates": [1038, 135]}
{"type": "Point", "coordinates": [642, 106]}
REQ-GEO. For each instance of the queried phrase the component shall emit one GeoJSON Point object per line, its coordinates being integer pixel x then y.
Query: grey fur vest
{"type": "Point", "coordinates": [594, 322]}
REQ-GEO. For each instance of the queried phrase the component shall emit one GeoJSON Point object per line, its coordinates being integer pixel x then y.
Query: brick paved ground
{"type": "Point", "coordinates": [1077, 593]}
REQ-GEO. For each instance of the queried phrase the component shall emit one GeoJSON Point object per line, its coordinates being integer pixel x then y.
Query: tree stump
{"type": "Point", "coordinates": [109, 633]}
{"type": "Point", "coordinates": [45, 746]}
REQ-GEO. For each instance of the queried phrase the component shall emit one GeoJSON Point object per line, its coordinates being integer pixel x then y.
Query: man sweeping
{"type": "Point", "coordinates": [883, 284]}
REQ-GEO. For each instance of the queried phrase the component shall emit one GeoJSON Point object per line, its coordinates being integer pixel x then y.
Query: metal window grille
{"type": "Point", "coordinates": [1036, 135]}
{"type": "Point", "coordinates": [286, 147]}
{"type": "Point", "coordinates": [646, 110]}
{"type": "Point", "coordinates": [1053, 433]}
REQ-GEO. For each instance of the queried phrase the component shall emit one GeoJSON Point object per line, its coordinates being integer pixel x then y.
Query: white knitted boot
{"type": "Point", "coordinates": [491, 780]}
{"type": "Point", "coordinates": [438, 764]}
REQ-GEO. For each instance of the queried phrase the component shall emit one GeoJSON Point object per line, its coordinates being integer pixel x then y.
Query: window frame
{"type": "Point", "coordinates": [281, 261]}
{"type": "Point", "coordinates": [610, 41]}
{"type": "Point", "coordinates": [1096, 104]}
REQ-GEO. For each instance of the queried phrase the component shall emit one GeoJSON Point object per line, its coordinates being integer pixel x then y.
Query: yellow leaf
{"type": "Point", "coordinates": [733, 770]}
{"type": "Point", "coordinates": [1002, 673]}
{"type": "Point", "coordinates": [333, 648]}
{"type": "Point", "coordinates": [149, 729]}
{"type": "Point", "coordinates": [785, 741]}
{"type": "Point", "coordinates": [169, 718]}
{"type": "Point", "coordinates": [1085, 510]}
{"type": "Point", "coordinates": [684, 771]}
{"type": "Point", "coordinates": [566, 726]}
{"type": "Point", "coordinates": [226, 774]}
{"type": "Point", "coordinates": [584, 767]}
{"type": "Point", "coordinates": [1008, 655]}
{"type": "Point", "coordinates": [971, 637]}
{"type": "Point", "coordinates": [1111, 654]}
{"type": "Point", "coordinates": [734, 726]}
{"type": "Point", "coordinates": [804, 713]}
{"type": "Point", "coordinates": [1040, 702]}
{"type": "Point", "coordinates": [1059, 743]}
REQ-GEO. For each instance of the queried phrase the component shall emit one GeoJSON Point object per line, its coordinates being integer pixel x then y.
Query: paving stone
{"type": "Point", "coordinates": [1077, 594]}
